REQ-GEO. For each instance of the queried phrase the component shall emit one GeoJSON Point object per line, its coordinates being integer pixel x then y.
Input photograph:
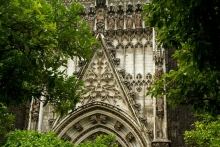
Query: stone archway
{"type": "Point", "coordinates": [100, 117]}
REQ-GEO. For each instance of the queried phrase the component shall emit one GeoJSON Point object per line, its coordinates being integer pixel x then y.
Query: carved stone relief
{"type": "Point", "coordinates": [98, 118]}
{"type": "Point", "coordinates": [50, 122]}
{"type": "Point", "coordinates": [100, 16]}
{"type": "Point", "coordinates": [120, 22]}
{"type": "Point", "coordinates": [93, 119]}
{"type": "Point", "coordinates": [129, 21]}
{"type": "Point", "coordinates": [78, 127]}
{"type": "Point", "coordinates": [111, 22]}
{"type": "Point", "coordinates": [159, 72]}
{"type": "Point", "coordinates": [149, 80]}
{"type": "Point", "coordinates": [100, 82]}
{"type": "Point", "coordinates": [91, 21]}
{"type": "Point", "coordinates": [118, 125]}
{"type": "Point", "coordinates": [150, 133]}
{"type": "Point", "coordinates": [130, 137]}
{"type": "Point", "coordinates": [159, 57]}
{"type": "Point", "coordinates": [160, 107]}
{"type": "Point", "coordinates": [138, 20]}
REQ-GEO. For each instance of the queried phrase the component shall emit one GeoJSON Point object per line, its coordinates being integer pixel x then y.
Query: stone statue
{"type": "Point", "coordinates": [111, 22]}
{"type": "Point", "coordinates": [138, 20]}
{"type": "Point", "coordinates": [120, 22]}
{"type": "Point", "coordinates": [129, 21]}
{"type": "Point", "coordinates": [159, 72]}
{"type": "Point", "coordinates": [91, 21]}
{"type": "Point", "coordinates": [100, 16]}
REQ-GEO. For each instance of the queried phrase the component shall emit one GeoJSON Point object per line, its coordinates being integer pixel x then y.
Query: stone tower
{"type": "Point", "coordinates": [117, 79]}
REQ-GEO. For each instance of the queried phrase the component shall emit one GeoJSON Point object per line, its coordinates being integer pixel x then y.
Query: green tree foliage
{"type": "Point", "coordinates": [36, 39]}
{"type": "Point", "coordinates": [26, 138]}
{"type": "Point", "coordinates": [6, 122]}
{"type": "Point", "coordinates": [206, 133]}
{"type": "Point", "coordinates": [192, 28]}
{"type": "Point", "coordinates": [101, 141]}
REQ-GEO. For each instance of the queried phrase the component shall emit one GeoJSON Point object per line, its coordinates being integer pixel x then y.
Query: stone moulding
{"type": "Point", "coordinates": [100, 110]}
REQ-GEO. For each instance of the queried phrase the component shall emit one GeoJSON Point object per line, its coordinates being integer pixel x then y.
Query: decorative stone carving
{"type": "Point", "coordinates": [96, 118]}
{"type": "Point", "coordinates": [150, 133]}
{"type": "Point", "coordinates": [100, 16]}
{"type": "Point", "coordinates": [93, 119]}
{"type": "Point", "coordinates": [111, 22]}
{"type": "Point", "coordinates": [91, 19]}
{"type": "Point", "coordinates": [130, 137]}
{"type": "Point", "coordinates": [78, 127]}
{"type": "Point", "coordinates": [138, 20]}
{"type": "Point", "coordinates": [100, 82]}
{"type": "Point", "coordinates": [137, 106]}
{"type": "Point", "coordinates": [103, 119]}
{"type": "Point", "coordinates": [129, 21]}
{"type": "Point", "coordinates": [120, 22]}
{"type": "Point", "coordinates": [159, 72]}
{"type": "Point", "coordinates": [122, 72]}
{"type": "Point", "coordinates": [160, 107]}
{"type": "Point", "coordinates": [116, 61]}
{"type": "Point", "coordinates": [132, 95]}
{"type": "Point", "coordinates": [149, 80]}
{"type": "Point", "coordinates": [118, 125]}
{"type": "Point", "coordinates": [158, 57]}
{"type": "Point", "coordinates": [139, 82]}
{"type": "Point", "coordinates": [143, 120]}
{"type": "Point", "coordinates": [50, 122]}
{"type": "Point", "coordinates": [128, 81]}
{"type": "Point", "coordinates": [111, 18]}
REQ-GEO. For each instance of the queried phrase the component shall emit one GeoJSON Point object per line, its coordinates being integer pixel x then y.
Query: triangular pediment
{"type": "Point", "coordinates": [102, 83]}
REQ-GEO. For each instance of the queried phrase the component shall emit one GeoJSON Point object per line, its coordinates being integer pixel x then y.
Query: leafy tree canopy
{"type": "Point", "coordinates": [6, 122]}
{"type": "Point", "coordinates": [206, 133]}
{"type": "Point", "coordinates": [28, 138]}
{"type": "Point", "coordinates": [192, 28]}
{"type": "Point", "coordinates": [101, 141]}
{"type": "Point", "coordinates": [37, 38]}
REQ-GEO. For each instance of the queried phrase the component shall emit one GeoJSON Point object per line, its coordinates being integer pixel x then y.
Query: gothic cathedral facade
{"type": "Point", "coordinates": [117, 79]}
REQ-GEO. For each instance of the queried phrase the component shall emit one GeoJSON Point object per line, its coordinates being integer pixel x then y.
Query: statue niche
{"type": "Point", "coordinates": [129, 21]}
